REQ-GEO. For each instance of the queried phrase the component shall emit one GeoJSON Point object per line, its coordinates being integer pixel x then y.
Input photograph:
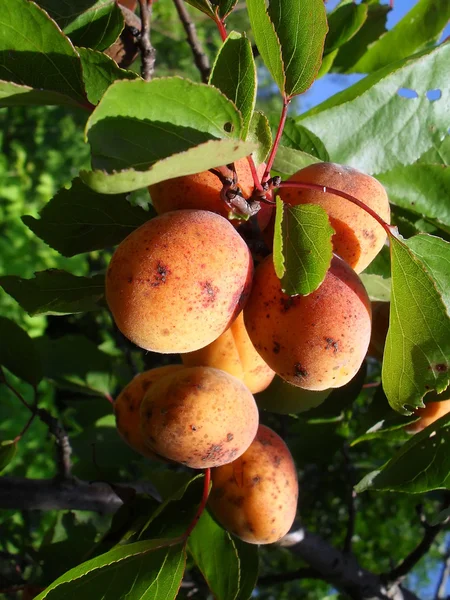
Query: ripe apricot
{"type": "Point", "coordinates": [358, 237]}
{"type": "Point", "coordinates": [255, 496]}
{"type": "Point", "coordinates": [432, 411]}
{"type": "Point", "coordinates": [317, 341]}
{"type": "Point", "coordinates": [202, 190]}
{"type": "Point", "coordinates": [234, 353]}
{"type": "Point", "coordinates": [127, 407]}
{"type": "Point", "coordinates": [199, 416]}
{"type": "Point", "coordinates": [176, 283]}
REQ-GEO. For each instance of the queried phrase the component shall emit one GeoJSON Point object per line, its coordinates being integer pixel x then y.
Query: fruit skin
{"type": "Point", "coordinates": [358, 237]}
{"type": "Point", "coordinates": [431, 412]}
{"type": "Point", "coordinates": [202, 191]}
{"type": "Point", "coordinates": [317, 341]}
{"type": "Point", "coordinates": [255, 497]}
{"type": "Point", "coordinates": [234, 353]}
{"type": "Point", "coordinates": [177, 282]}
{"type": "Point", "coordinates": [199, 416]}
{"type": "Point", "coordinates": [127, 407]}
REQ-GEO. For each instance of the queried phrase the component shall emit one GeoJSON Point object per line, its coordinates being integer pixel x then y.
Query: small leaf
{"type": "Point", "coordinates": [306, 247]}
{"type": "Point", "coordinates": [288, 160]}
{"type": "Point", "coordinates": [417, 351]}
{"type": "Point", "coordinates": [99, 72]}
{"type": "Point", "coordinates": [18, 352]}
{"type": "Point", "coordinates": [378, 288]}
{"type": "Point", "coordinates": [298, 137]}
{"type": "Point", "coordinates": [204, 5]}
{"type": "Point", "coordinates": [36, 53]}
{"type": "Point", "coordinates": [55, 292]}
{"type": "Point", "coordinates": [79, 220]}
{"type": "Point", "coordinates": [92, 23]}
{"type": "Point", "coordinates": [283, 398]}
{"type": "Point", "coordinates": [8, 449]}
{"type": "Point", "coordinates": [344, 22]}
{"type": "Point", "coordinates": [259, 133]}
{"type": "Point", "coordinates": [421, 465]}
{"type": "Point", "coordinates": [234, 73]}
{"type": "Point", "coordinates": [149, 570]}
{"type": "Point", "coordinates": [225, 7]}
{"type": "Point", "coordinates": [392, 427]}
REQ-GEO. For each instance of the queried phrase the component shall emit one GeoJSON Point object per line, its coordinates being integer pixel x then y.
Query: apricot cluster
{"type": "Point", "coordinates": [179, 284]}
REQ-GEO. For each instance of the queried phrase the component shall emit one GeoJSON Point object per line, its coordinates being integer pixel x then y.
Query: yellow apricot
{"type": "Point", "coordinates": [431, 412]}
{"type": "Point", "coordinates": [177, 283]}
{"type": "Point", "coordinates": [199, 416]}
{"type": "Point", "coordinates": [358, 238]}
{"type": "Point", "coordinates": [317, 341]}
{"type": "Point", "coordinates": [255, 496]}
{"type": "Point", "coordinates": [127, 408]}
{"type": "Point", "coordinates": [234, 353]}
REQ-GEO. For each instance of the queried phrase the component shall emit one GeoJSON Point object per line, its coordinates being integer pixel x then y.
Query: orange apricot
{"type": "Point", "coordinates": [199, 416]}
{"type": "Point", "coordinates": [432, 411]}
{"type": "Point", "coordinates": [127, 407]}
{"type": "Point", "coordinates": [255, 496]}
{"type": "Point", "coordinates": [358, 238]}
{"type": "Point", "coordinates": [177, 283]}
{"type": "Point", "coordinates": [234, 353]}
{"type": "Point", "coordinates": [317, 341]}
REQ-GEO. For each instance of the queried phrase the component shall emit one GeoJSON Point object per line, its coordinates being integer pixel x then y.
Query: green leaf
{"type": "Point", "coordinates": [259, 133]}
{"type": "Point", "coordinates": [378, 288]}
{"type": "Point", "coordinates": [18, 352]}
{"type": "Point", "coordinates": [422, 25]}
{"type": "Point", "coordinates": [301, 27]}
{"type": "Point", "coordinates": [283, 398]}
{"type": "Point", "coordinates": [79, 220]}
{"type": "Point", "coordinates": [344, 22]}
{"type": "Point", "coordinates": [421, 465]}
{"type": "Point", "coordinates": [55, 292]}
{"type": "Point", "coordinates": [373, 105]}
{"type": "Point", "coordinates": [75, 363]}
{"type": "Point", "coordinates": [306, 247]}
{"type": "Point", "coordinates": [298, 137]}
{"type": "Point", "coordinates": [99, 72]}
{"type": "Point", "coordinates": [204, 5]}
{"type": "Point", "coordinates": [381, 264]}
{"type": "Point", "coordinates": [149, 570]}
{"type": "Point", "coordinates": [221, 568]}
{"type": "Point", "coordinates": [234, 73]}
{"type": "Point", "coordinates": [13, 94]}
{"type": "Point", "coordinates": [225, 7]}
{"type": "Point", "coordinates": [422, 189]}
{"type": "Point", "coordinates": [249, 566]}
{"type": "Point", "coordinates": [267, 41]}
{"type": "Point", "coordinates": [91, 23]}
{"type": "Point", "coordinates": [417, 351]}
{"type": "Point", "coordinates": [393, 427]}
{"type": "Point", "coordinates": [438, 154]}
{"type": "Point", "coordinates": [288, 160]}
{"type": "Point", "coordinates": [203, 157]}
{"type": "Point", "coordinates": [8, 449]}
{"type": "Point", "coordinates": [36, 53]}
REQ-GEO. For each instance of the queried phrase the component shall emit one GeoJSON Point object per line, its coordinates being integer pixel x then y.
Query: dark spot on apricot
{"type": "Point", "coordinates": [161, 274]}
{"type": "Point", "coordinates": [237, 501]}
{"type": "Point", "coordinates": [230, 437]}
{"type": "Point", "coordinates": [300, 371]}
{"type": "Point", "coordinates": [130, 279]}
{"type": "Point", "coordinates": [194, 428]}
{"type": "Point", "coordinates": [256, 479]}
{"type": "Point", "coordinates": [286, 303]}
{"type": "Point", "coordinates": [332, 344]}
{"type": "Point", "coordinates": [276, 347]}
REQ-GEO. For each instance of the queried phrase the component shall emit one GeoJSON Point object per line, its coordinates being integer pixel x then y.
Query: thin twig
{"type": "Point", "coordinates": [13, 390]}
{"type": "Point", "coordinates": [64, 450]}
{"type": "Point", "coordinates": [200, 58]}
{"type": "Point", "coordinates": [273, 152]}
{"type": "Point", "coordinates": [148, 53]}
{"type": "Point", "coordinates": [25, 429]}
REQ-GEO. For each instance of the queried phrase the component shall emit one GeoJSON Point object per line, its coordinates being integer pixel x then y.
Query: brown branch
{"type": "Point", "coordinates": [444, 576]}
{"type": "Point", "coordinates": [145, 46]}
{"type": "Point", "coordinates": [200, 58]}
{"type": "Point", "coordinates": [305, 573]}
{"type": "Point", "coordinates": [63, 448]}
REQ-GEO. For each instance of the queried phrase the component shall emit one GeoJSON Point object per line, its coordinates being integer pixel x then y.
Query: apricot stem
{"type": "Point", "coordinates": [221, 26]}
{"type": "Point", "coordinates": [202, 506]}
{"type": "Point", "coordinates": [24, 430]}
{"type": "Point", "coordinates": [252, 166]}
{"type": "Point", "coordinates": [273, 151]}
{"type": "Point", "coordinates": [391, 230]}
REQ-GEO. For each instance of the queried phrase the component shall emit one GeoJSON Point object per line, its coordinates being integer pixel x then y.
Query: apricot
{"type": "Point", "coordinates": [234, 353]}
{"type": "Point", "coordinates": [199, 416]}
{"type": "Point", "coordinates": [202, 191]}
{"type": "Point", "coordinates": [255, 496]}
{"type": "Point", "coordinates": [284, 398]}
{"type": "Point", "coordinates": [128, 403]}
{"type": "Point", "coordinates": [380, 326]}
{"type": "Point", "coordinates": [177, 283]}
{"type": "Point", "coordinates": [432, 411]}
{"type": "Point", "coordinates": [358, 237]}
{"type": "Point", "coordinates": [317, 341]}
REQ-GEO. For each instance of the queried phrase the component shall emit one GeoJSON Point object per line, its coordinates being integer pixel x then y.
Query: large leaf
{"type": "Point", "coordinates": [18, 352]}
{"type": "Point", "coordinates": [421, 25]}
{"type": "Point", "coordinates": [421, 465]}
{"type": "Point", "coordinates": [203, 5]}
{"type": "Point", "coordinates": [13, 94]}
{"type": "Point", "coordinates": [150, 570]}
{"type": "Point", "coordinates": [377, 287]}
{"type": "Point", "coordinates": [259, 133]}
{"type": "Point", "coordinates": [55, 292]}
{"type": "Point", "coordinates": [35, 53]}
{"type": "Point", "coordinates": [89, 23]}
{"type": "Point", "coordinates": [225, 7]}
{"type": "Point", "coordinates": [80, 220]}
{"type": "Point", "coordinates": [234, 73]}
{"type": "Point", "coordinates": [306, 250]}
{"type": "Point", "coordinates": [370, 126]}
{"type": "Point", "coordinates": [99, 72]}
{"type": "Point", "coordinates": [288, 160]}
{"type": "Point", "coordinates": [417, 351]}
{"type": "Point", "coordinates": [344, 22]}
{"type": "Point", "coordinates": [298, 137]}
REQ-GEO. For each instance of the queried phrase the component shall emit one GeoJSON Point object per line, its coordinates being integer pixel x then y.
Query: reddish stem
{"type": "Point", "coordinates": [202, 506]}
{"type": "Point", "coordinates": [24, 430]}
{"type": "Point", "coordinates": [373, 384]}
{"type": "Point", "coordinates": [286, 102]}
{"type": "Point", "coordinates": [109, 398]}
{"type": "Point", "coordinates": [390, 229]}
{"type": "Point", "coordinates": [221, 27]}
{"type": "Point", "coordinates": [252, 166]}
